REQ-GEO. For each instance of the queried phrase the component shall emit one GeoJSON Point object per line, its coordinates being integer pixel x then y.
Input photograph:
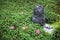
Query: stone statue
{"type": "Point", "coordinates": [39, 17]}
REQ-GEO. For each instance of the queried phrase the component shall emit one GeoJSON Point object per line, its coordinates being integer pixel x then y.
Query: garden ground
{"type": "Point", "coordinates": [17, 13]}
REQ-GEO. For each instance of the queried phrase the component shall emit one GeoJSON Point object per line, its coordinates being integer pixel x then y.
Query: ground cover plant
{"type": "Point", "coordinates": [56, 34]}
{"type": "Point", "coordinates": [15, 23]}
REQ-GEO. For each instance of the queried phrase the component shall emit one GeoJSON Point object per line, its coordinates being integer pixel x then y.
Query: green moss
{"type": "Point", "coordinates": [56, 34]}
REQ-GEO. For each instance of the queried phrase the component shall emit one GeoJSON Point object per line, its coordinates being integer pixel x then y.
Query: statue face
{"type": "Point", "coordinates": [38, 10]}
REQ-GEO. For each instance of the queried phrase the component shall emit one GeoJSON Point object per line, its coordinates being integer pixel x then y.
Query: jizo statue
{"type": "Point", "coordinates": [39, 17]}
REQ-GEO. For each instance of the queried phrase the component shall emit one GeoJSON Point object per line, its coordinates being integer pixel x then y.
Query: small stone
{"type": "Point", "coordinates": [12, 27]}
{"type": "Point", "coordinates": [48, 29]}
{"type": "Point", "coordinates": [22, 12]}
{"type": "Point", "coordinates": [24, 27]}
{"type": "Point", "coordinates": [37, 31]}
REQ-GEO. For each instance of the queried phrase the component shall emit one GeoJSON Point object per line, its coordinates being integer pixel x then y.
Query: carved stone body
{"type": "Point", "coordinates": [38, 15]}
